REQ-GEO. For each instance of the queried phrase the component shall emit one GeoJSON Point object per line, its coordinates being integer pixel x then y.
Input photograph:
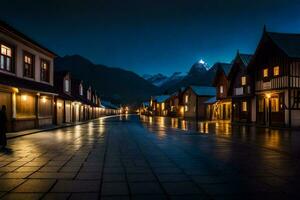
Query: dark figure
{"type": "Point", "coordinates": [3, 120]}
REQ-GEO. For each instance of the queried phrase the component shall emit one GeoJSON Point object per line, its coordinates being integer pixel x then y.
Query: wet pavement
{"type": "Point", "coordinates": [152, 158]}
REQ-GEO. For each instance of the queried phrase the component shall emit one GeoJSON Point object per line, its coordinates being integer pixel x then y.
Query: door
{"type": "Point", "coordinates": [277, 110]}
{"type": "Point", "coordinates": [261, 110]}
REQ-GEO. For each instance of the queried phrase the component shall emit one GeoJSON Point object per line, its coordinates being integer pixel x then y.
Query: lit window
{"type": "Point", "coordinates": [186, 108]}
{"type": "Point", "coordinates": [244, 106]}
{"type": "Point", "coordinates": [45, 71]}
{"type": "Point", "coordinates": [266, 73]}
{"type": "Point", "coordinates": [80, 90]}
{"type": "Point", "coordinates": [163, 106]}
{"type": "Point", "coordinates": [186, 98]}
{"type": "Point", "coordinates": [6, 58]}
{"type": "Point", "coordinates": [28, 70]}
{"type": "Point", "coordinates": [276, 71]}
{"type": "Point", "coordinates": [274, 104]}
{"type": "Point", "coordinates": [67, 85]}
{"type": "Point", "coordinates": [244, 79]}
{"type": "Point", "coordinates": [221, 89]}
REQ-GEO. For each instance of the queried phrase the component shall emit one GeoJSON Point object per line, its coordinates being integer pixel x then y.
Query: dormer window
{"type": "Point", "coordinates": [221, 89]}
{"type": "Point", "coordinates": [244, 80]}
{"type": "Point", "coordinates": [28, 69]}
{"type": "Point", "coordinates": [266, 73]}
{"type": "Point", "coordinates": [80, 90]}
{"type": "Point", "coordinates": [276, 71]}
{"type": "Point", "coordinates": [6, 58]}
{"type": "Point", "coordinates": [67, 85]}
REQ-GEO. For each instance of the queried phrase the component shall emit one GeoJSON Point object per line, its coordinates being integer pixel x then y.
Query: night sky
{"type": "Point", "coordinates": [151, 36]}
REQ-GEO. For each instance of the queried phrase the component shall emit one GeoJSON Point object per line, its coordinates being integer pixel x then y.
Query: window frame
{"type": "Point", "coordinates": [12, 57]}
{"type": "Point", "coordinates": [243, 80]}
{"type": "Point", "coordinates": [244, 106]}
{"type": "Point", "coordinates": [41, 70]}
{"type": "Point", "coordinates": [267, 73]}
{"type": "Point", "coordinates": [221, 89]}
{"type": "Point", "coordinates": [32, 57]}
{"type": "Point", "coordinates": [276, 67]}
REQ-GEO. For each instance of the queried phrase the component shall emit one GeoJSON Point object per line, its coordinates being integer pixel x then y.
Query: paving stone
{"type": "Point", "coordinates": [53, 175]}
{"type": "Point", "coordinates": [35, 186]}
{"type": "Point", "coordinates": [16, 175]}
{"type": "Point", "coordinates": [22, 196]}
{"type": "Point", "coordinates": [181, 188]}
{"type": "Point", "coordinates": [84, 196]}
{"type": "Point", "coordinates": [56, 196]}
{"type": "Point", "coordinates": [145, 188]}
{"type": "Point", "coordinates": [9, 184]}
{"type": "Point", "coordinates": [75, 186]}
{"type": "Point", "coordinates": [114, 188]}
{"type": "Point", "coordinates": [88, 176]}
{"type": "Point", "coordinates": [141, 177]}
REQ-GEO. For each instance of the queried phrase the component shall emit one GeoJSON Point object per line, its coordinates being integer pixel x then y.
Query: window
{"type": "Point", "coordinates": [221, 89]}
{"type": "Point", "coordinates": [266, 73]}
{"type": "Point", "coordinates": [186, 98]}
{"type": "Point", "coordinates": [28, 69]}
{"type": "Point", "coordinates": [244, 106]}
{"type": "Point", "coordinates": [261, 105]}
{"type": "Point", "coordinates": [274, 104]}
{"type": "Point", "coordinates": [244, 80]}
{"type": "Point", "coordinates": [67, 85]}
{"type": "Point", "coordinates": [186, 108]}
{"type": "Point", "coordinates": [6, 58]}
{"type": "Point", "coordinates": [80, 90]}
{"type": "Point", "coordinates": [45, 71]}
{"type": "Point", "coordinates": [163, 106]}
{"type": "Point", "coordinates": [276, 71]}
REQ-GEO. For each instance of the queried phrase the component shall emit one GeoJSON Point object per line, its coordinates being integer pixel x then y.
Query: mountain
{"type": "Point", "coordinates": [163, 81]}
{"type": "Point", "coordinates": [199, 74]}
{"type": "Point", "coordinates": [115, 84]}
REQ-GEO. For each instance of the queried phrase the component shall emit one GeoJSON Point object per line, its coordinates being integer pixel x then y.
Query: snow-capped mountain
{"type": "Point", "coordinates": [161, 80]}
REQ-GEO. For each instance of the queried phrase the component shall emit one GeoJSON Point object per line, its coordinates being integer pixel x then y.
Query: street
{"type": "Point", "coordinates": [128, 157]}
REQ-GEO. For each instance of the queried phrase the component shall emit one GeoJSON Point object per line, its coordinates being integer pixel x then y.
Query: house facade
{"type": "Point", "coordinates": [158, 105]}
{"type": "Point", "coordinates": [241, 90]}
{"type": "Point", "coordinates": [26, 80]}
{"type": "Point", "coordinates": [275, 67]}
{"type": "Point", "coordinates": [194, 98]}
{"type": "Point", "coordinates": [221, 109]}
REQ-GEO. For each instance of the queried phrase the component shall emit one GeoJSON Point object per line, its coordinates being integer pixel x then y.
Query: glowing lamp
{"type": "Point", "coordinates": [24, 97]}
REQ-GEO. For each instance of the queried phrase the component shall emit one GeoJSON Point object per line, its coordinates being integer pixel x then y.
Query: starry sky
{"type": "Point", "coordinates": [151, 36]}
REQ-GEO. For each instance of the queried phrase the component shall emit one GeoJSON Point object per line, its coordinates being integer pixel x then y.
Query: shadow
{"type": "Point", "coordinates": [6, 151]}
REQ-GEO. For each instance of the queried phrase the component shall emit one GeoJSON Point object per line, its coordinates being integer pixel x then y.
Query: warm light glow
{"type": "Point", "coordinates": [24, 97]}
{"type": "Point", "coordinates": [266, 73]}
{"type": "Point", "coordinates": [221, 89]}
{"type": "Point", "coordinates": [44, 99]}
{"type": "Point", "coordinates": [244, 80]}
{"type": "Point", "coordinates": [276, 71]}
{"type": "Point", "coordinates": [163, 106]}
{"type": "Point", "coordinates": [59, 105]}
{"type": "Point", "coordinates": [186, 98]}
{"type": "Point", "coordinates": [268, 95]}
{"type": "Point", "coordinates": [244, 106]}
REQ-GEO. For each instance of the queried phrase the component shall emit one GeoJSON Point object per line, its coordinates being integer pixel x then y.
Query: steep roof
{"type": "Point", "coordinates": [245, 58]}
{"type": "Point", "coordinates": [204, 90]}
{"type": "Point", "coordinates": [211, 100]}
{"type": "Point", "coordinates": [288, 42]}
{"type": "Point", "coordinates": [161, 98]}
{"type": "Point", "coordinates": [226, 67]}
{"type": "Point", "coordinates": [6, 28]}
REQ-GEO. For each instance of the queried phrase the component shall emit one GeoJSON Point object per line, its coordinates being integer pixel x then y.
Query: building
{"type": "Point", "coordinates": [276, 70]}
{"type": "Point", "coordinates": [194, 98]}
{"type": "Point", "coordinates": [26, 80]}
{"type": "Point", "coordinates": [158, 105]}
{"type": "Point", "coordinates": [241, 90]}
{"type": "Point", "coordinates": [221, 109]}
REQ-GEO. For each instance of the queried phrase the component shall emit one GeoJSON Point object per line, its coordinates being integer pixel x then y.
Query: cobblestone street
{"type": "Point", "coordinates": [128, 158]}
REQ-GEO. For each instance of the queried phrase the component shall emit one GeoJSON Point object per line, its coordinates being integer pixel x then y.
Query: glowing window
{"type": "Point", "coordinates": [244, 106]}
{"type": "Point", "coordinates": [221, 89]}
{"type": "Point", "coordinates": [5, 50]}
{"type": "Point", "coordinates": [276, 71]}
{"type": "Point", "coordinates": [266, 73]}
{"type": "Point", "coordinates": [6, 58]}
{"type": "Point", "coordinates": [163, 106]}
{"type": "Point", "coordinates": [186, 108]}
{"type": "Point", "coordinates": [275, 104]}
{"type": "Point", "coordinates": [67, 85]}
{"type": "Point", "coordinates": [244, 80]}
{"type": "Point", "coordinates": [186, 98]}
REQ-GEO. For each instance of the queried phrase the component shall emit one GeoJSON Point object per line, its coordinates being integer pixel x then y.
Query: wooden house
{"type": "Point", "coordinates": [221, 109]}
{"type": "Point", "coordinates": [275, 67]}
{"type": "Point", "coordinates": [194, 98]}
{"type": "Point", "coordinates": [241, 90]}
{"type": "Point", "coordinates": [158, 105]}
{"type": "Point", "coordinates": [26, 80]}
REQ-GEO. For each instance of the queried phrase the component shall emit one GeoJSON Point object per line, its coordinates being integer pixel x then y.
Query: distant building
{"type": "Point", "coordinates": [221, 109]}
{"type": "Point", "coordinates": [194, 98]}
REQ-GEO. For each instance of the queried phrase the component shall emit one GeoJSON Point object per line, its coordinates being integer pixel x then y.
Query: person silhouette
{"type": "Point", "coordinates": [3, 128]}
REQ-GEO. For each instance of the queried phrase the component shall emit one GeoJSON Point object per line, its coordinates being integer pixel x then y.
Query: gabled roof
{"type": "Point", "coordinates": [211, 100]}
{"type": "Point", "coordinates": [245, 58]}
{"type": "Point", "coordinates": [225, 67]}
{"type": "Point", "coordinates": [6, 28]}
{"type": "Point", "coordinates": [204, 90]}
{"type": "Point", "coordinates": [288, 42]}
{"type": "Point", "coordinates": [161, 98]}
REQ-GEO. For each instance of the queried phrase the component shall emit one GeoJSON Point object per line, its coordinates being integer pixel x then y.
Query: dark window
{"type": "Point", "coordinates": [28, 60]}
{"type": "Point", "coordinates": [6, 56]}
{"type": "Point", "coordinates": [45, 70]}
